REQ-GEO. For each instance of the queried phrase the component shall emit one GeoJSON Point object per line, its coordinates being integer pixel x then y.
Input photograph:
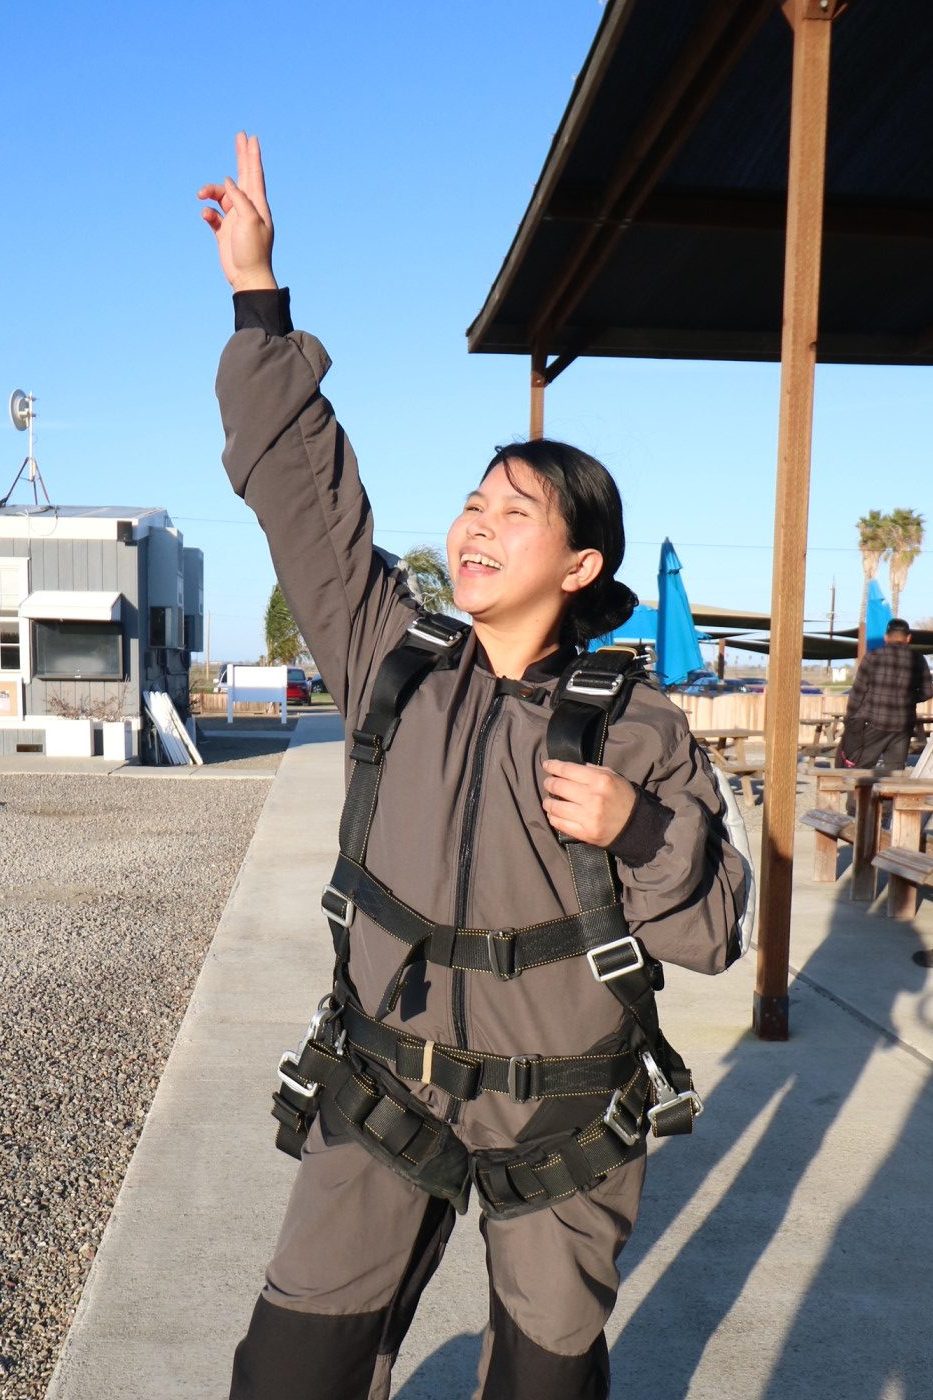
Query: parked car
{"type": "Point", "coordinates": [220, 684]}
{"type": "Point", "coordinates": [298, 691]}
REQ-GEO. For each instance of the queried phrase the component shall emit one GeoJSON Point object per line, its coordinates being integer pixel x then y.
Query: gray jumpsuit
{"type": "Point", "coordinates": [359, 1243]}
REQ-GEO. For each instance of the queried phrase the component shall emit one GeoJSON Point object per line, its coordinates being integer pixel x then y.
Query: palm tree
{"type": "Point", "coordinates": [428, 578]}
{"type": "Point", "coordinates": [873, 543]}
{"type": "Point", "coordinates": [905, 540]}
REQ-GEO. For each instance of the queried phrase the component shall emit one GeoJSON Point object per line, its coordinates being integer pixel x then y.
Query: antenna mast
{"type": "Point", "coordinates": [22, 416]}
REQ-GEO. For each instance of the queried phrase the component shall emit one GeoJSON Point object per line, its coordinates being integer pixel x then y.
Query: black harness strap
{"type": "Point", "coordinates": [465, 1074]}
{"type": "Point", "coordinates": [360, 1065]}
{"type": "Point", "coordinates": [592, 694]}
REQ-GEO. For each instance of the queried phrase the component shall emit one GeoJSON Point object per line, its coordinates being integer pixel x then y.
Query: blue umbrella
{"type": "Point", "coordinates": [877, 617]}
{"type": "Point", "coordinates": [677, 645]}
{"type": "Point", "coordinates": [642, 626]}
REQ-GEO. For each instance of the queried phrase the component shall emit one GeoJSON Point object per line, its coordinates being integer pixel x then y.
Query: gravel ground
{"type": "Point", "coordinates": [111, 891]}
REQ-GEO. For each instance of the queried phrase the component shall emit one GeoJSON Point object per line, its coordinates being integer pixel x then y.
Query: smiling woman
{"type": "Point", "coordinates": [498, 914]}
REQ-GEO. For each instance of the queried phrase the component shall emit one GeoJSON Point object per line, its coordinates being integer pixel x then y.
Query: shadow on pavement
{"type": "Point", "coordinates": [839, 1341]}
{"type": "Point", "coordinates": [449, 1371]}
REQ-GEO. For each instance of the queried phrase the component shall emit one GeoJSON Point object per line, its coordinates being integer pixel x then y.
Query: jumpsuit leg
{"type": "Point", "coordinates": [357, 1247]}
{"type": "Point", "coordinates": [553, 1283]}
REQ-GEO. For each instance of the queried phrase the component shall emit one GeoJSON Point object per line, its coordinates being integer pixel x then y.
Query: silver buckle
{"type": "Point", "coordinates": [665, 1092]}
{"type": "Point", "coordinates": [327, 1011]}
{"type": "Point", "coordinates": [304, 1091]}
{"type": "Point", "coordinates": [612, 1122]}
{"type": "Point", "coordinates": [349, 911]}
{"type": "Point", "coordinates": [608, 691]}
{"type": "Point", "coordinates": [445, 643]}
{"type": "Point", "coordinates": [619, 971]}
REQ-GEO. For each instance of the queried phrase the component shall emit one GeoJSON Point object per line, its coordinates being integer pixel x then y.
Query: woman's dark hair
{"type": "Point", "coordinates": [589, 503]}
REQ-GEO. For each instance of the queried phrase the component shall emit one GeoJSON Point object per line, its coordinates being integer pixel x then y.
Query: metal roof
{"type": "Point", "coordinates": [656, 227]}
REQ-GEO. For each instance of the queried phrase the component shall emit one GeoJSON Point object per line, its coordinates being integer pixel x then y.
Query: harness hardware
{"type": "Point", "coordinates": [615, 969]}
{"type": "Point", "coordinates": [501, 955]}
{"type": "Point", "coordinates": [595, 683]}
{"type": "Point", "coordinates": [667, 1096]}
{"type": "Point", "coordinates": [289, 1072]}
{"type": "Point", "coordinates": [519, 1075]}
{"type": "Point", "coordinates": [429, 629]}
{"type": "Point", "coordinates": [342, 917]}
{"type": "Point", "coordinates": [613, 1119]}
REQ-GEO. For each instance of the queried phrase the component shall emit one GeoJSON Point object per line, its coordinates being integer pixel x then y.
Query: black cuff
{"type": "Point", "coordinates": [643, 834]}
{"type": "Point", "coordinates": [263, 311]}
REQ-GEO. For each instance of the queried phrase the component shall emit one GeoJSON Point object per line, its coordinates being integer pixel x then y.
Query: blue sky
{"type": "Point", "coordinates": [402, 139]}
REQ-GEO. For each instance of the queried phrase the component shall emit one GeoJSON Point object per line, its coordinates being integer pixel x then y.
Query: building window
{"type": "Point", "coordinates": [79, 651]}
{"type": "Point", "coordinates": [9, 644]}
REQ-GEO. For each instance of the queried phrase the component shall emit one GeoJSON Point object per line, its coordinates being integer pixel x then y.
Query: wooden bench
{"type": "Point", "coordinates": [831, 827]}
{"type": "Point", "coordinates": [832, 824]}
{"type": "Point", "coordinates": [907, 872]}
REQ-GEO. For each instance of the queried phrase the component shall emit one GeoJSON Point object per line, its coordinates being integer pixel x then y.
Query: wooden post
{"type": "Point", "coordinates": [538, 386]}
{"type": "Point", "coordinates": [805, 183]}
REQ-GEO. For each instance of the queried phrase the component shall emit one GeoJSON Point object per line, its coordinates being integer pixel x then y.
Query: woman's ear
{"type": "Point", "coordinates": [585, 570]}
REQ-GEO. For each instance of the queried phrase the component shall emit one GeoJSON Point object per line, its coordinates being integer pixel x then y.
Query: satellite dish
{"type": "Point", "coordinates": [22, 416]}
{"type": "Point", "coordinates": [21, 411]}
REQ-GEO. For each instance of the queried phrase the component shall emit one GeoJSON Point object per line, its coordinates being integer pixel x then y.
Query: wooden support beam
{"type": "Point", "coordinates": [805, 187]}
{"type": "Point", "coordinates": [538, 385]}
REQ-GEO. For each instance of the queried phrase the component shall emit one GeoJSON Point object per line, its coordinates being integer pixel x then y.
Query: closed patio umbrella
{"type": "Point", "coordinates": [677, 645]}
{"type": "Point", "coordinates": [877, 617]}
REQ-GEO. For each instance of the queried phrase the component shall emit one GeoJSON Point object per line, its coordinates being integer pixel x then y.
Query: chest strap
{"type": "Point", "coordinates": [599, 933]}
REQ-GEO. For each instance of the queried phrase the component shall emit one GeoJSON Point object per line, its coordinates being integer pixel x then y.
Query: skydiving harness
{"type": "Point", "coordinates": [349, 1063]}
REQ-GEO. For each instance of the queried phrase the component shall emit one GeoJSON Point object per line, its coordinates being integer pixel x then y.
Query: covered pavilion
{"type": "Point", "coordinates": [715, 158]}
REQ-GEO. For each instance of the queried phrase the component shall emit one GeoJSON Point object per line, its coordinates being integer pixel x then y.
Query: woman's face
{"type": "Point", "coordinates": [508, 553]}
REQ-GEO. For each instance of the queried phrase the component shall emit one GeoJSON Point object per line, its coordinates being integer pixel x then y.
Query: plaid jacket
{"type": "Point", "coordinates": [890, 684]}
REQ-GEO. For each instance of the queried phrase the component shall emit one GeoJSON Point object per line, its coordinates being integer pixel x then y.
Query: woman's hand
{"type": "Point", "coordinates": [586, 801]}
{"type": "Point", "coordinates": [243, 228]}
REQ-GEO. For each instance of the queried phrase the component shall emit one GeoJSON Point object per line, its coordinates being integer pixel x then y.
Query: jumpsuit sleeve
{"type": "Point", "coordinates": [290, 459]}
{"type": "Point", "coordinates": [686, 900]}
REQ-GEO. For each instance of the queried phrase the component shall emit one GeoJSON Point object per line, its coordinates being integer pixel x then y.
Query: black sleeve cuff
{"type": "Point", "coordinates": [264, 311]}
{"type": "Point", "coordinates": [643, 835]}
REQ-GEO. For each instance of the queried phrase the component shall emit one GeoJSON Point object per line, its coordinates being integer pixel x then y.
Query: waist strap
{"type": "Point", "coordinates": [464, 1074]}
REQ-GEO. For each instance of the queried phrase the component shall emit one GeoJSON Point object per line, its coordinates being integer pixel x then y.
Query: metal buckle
{"type": "Point", "coordinates": [611, 1121]}
{"type": "Point", "coordinates": [667, 1096]}
{"type": "Point", "coordinates": [349, 907]}
{"type": "Point", "coordinates": [597, 684]}
{"type": "Point", "coordinates": [303, 1091]}
{"type": "Point", "coordinates": [444, 640]}
{"type": "Point", "coordinates": [523, 1063]}
{"type": "Point", "coordinates": [594, 953]}
{"type": "Point", "coordinates": [497, 944]}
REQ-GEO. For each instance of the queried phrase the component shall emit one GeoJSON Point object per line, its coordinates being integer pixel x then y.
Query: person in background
{"type": "Point", "coordinates": [882, 709]}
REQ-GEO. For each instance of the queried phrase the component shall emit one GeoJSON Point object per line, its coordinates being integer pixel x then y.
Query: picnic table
{"type": "Point", "coordinates": [727, 749]}
{"type": "Point", "coordinates": [907, 867]}
{"type": "Point", "coordinates": [837, 790]}
{"type": "Point", "coordinates": [826, 730]}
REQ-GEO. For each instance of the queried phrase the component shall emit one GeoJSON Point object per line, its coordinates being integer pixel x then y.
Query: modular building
{"type": "Point", "coordinates": [97, 605]}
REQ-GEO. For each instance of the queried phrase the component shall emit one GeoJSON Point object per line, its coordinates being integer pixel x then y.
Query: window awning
{"type": "Point", "coordinates": [72, 606]}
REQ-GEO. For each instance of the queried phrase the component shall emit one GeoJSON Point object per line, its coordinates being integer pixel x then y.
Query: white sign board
{"type": "Point", "coordinates": [266, 685]}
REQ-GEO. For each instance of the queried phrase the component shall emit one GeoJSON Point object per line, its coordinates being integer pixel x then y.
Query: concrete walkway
{"type": "Point", "coordinates": [783, 1251]}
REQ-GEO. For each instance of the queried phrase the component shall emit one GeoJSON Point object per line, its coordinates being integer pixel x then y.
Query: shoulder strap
{"type": "Point", "coordinates": [433, 642]}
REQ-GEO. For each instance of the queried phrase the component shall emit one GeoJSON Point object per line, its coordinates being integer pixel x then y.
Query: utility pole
{"type": "Point", "coordinates": [832, 608]}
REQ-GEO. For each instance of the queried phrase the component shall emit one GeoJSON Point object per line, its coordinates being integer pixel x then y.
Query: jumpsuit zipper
{"type": "Point", "coordinates": [464, 873]}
